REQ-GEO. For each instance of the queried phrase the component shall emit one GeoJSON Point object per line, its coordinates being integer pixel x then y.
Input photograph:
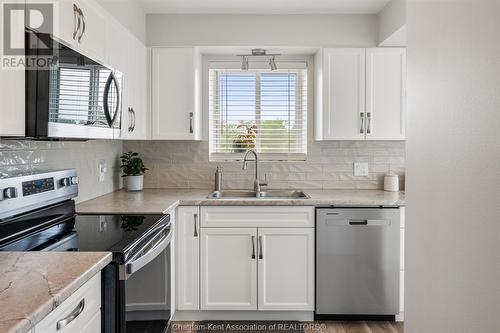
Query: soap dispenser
{"type": "Point", "coordinates": [218, 179]}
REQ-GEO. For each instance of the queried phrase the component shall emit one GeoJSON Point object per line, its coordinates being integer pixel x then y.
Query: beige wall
{"type": "Point", "coordinates": [391, 19]}
{"type": "Point", "coordinates": [24, 155]}
{"type": "Point", "coordinates": [453, 167]}
{"type": "Point", "coordinates": [130, 14]}
{"type": "Point", "coordinates": [262, 30]}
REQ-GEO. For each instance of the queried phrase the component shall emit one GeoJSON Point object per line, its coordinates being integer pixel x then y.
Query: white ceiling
{"type": "Point", "coordinates": [263, 6]}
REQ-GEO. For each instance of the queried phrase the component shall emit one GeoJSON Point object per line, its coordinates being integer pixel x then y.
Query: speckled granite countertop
{"type": "Point", "coordinates": [158, 201]}
{"type": "Point", "coordinates": [32, 284]}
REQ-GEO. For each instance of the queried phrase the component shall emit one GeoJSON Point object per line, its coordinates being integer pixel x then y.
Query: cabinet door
{"type": "Point", "coordinates": [228, 269]}
{"type": "Point", "coordinates": [66, 22]}
{"type": "Point", "coordinates": [175, 94]}
{"type": "Point", "coordinates": [385, 93]}
{"type": "Point", "coordinates": [344, 94]}
{"type": "Point", "coordinates": [187, 258]}
{"type": "Point", "coordinates": [286, 269]}
{"type": "Point", "coordinates": [134, 110]}
{"type": "Point", "coordinates": [93, 38]}
{"type": "Point", "coordinates": [12, 88]}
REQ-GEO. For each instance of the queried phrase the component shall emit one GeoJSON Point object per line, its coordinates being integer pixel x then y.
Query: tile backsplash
{"type": "Point", "coordinates": [24, 155]}
{"type": "Point", "coordinates": [329, 165]}
{"type": "Point", "coordinates": [185, 164]}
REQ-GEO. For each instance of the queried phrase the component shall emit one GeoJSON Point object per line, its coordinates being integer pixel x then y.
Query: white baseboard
{"type": "Point", "coordinates": [400, 316]}
{"type": "Point", "coordinates": [243, 315]}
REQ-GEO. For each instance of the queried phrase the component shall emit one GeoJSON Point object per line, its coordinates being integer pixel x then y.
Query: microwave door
{"type": "Point", "coordinates": [67, 99]}
{"type": "Point", "coordinates": [77, 97]}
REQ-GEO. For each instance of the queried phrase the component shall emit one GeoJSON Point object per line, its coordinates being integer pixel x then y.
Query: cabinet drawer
{"type": "Point", "coordinates": [257, 216]}
{"type": "Point", "coordinates": [90, 295]}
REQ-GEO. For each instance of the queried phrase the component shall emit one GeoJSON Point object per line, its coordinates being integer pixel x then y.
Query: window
{"type": "Point", "coordinates": [258, 109]}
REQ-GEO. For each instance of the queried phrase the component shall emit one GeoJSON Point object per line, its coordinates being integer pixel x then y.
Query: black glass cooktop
{"type": "Point", "coordinates": [119, 234]}
{"type": "Point", "coordinates": [57, 228]}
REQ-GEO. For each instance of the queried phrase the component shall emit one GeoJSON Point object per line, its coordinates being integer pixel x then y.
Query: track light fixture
{"type": "Point", "coordinates": [272, 64]}
{"type": "Point", "coordinates": [258, 53]}
{"type": "Point", "coordinates": [244, 64]}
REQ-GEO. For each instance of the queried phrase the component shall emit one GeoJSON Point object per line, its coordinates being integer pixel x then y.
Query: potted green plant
{"type": "Point", "coordinates": [133, 171]}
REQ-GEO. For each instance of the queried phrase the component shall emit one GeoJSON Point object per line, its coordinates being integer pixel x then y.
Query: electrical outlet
{"type": "Point", "coordinates": [102, 168]}
{"type": "Point", "coordinates": [360, 169]}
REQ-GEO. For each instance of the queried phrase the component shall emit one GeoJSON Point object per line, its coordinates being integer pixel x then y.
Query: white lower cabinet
{"type": "Point", "coordinates": [187, 261]}
{"type": "Point", "coordinates": [228, 269]}
{"type": "Point", "coordinates": [286, 269]}
{"type": "Point", "coordinates": [80, 313]}
{"type": "Point", "coordinates": [250, 258]}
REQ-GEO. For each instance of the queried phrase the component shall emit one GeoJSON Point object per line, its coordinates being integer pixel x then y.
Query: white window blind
{"type": "Point", "coordinates": [258, 109]}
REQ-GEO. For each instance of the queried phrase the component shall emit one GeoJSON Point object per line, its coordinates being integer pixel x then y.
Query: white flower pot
{"type": "Point", "coordinates": [134, 183]}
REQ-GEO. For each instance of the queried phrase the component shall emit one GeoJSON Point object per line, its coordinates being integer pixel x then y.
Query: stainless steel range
{"type": "Point", "coordinates": [37, 213]}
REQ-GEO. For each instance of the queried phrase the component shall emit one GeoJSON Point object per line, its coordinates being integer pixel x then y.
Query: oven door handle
{"type": "Point", "coordinates": [143, 260]}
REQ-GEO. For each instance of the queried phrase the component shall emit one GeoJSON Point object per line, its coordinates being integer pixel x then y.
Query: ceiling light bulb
{"type": "Point", "coordinates": [244, 64]}
{"type": "Point", "coordinates": [272, 64]}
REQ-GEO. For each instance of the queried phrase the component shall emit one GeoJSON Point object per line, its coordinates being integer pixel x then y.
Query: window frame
{"type": "Point", "coordinates": [302, 101]}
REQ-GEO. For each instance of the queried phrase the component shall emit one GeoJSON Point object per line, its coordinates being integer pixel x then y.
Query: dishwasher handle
{"type": "Point", "coordinates": [356, 222]}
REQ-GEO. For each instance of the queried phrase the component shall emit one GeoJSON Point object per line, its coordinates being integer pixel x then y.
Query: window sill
{"type": "Point", "coordinates": [238, 157]}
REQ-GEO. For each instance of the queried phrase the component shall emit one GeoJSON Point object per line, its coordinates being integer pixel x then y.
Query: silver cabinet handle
{"type": "Point", "coordinates": [83, 25]}
{"type": "Point", "coordinates": [133, 115]}
{"type": "Point", "coordinates": [362, 129]}
{"type": "Point", "coordinates": [261, 252]}
{"type": "Point", "coordinates": [72, 316]}
{"type": "Point", "coordinates": [195, 225]}
{"type": "Point", "coordinates": [369, 117]}
{"type": "Point", "coordinates": [253, 247]}
{"type": "Point", "coordinates": [130, 120]}
{"type": "Point", "coordinates": [76, 21]}
{"type": "Point", "coordinates": [191, 115]}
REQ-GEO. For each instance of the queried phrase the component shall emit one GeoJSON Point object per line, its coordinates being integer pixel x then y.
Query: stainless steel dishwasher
{"type": "Point", "coordinates": [357, 262]}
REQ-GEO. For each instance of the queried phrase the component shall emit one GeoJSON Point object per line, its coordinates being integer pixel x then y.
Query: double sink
{"type": "Point", "coordinates": [271, 194]}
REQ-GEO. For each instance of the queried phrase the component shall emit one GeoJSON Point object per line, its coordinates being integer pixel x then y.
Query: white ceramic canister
{"type": "Point", "coordinates": [391, 182]}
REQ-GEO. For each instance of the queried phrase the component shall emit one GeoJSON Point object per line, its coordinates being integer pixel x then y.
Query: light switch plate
{"type": "Point", "coordinates": [360, 169]}
{"type": "Point", "coordinates": [102, 168]}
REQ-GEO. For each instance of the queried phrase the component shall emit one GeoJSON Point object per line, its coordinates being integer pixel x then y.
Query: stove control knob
{"type": "Point", "coordinates": [10, 193]}
{"type": "Point", "coordinates": [66, 181]}
{"type": "Point", "coordinates": [74, 180]}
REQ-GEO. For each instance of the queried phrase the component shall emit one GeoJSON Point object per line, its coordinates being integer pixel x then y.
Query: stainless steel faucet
{"type": "Point", "coordinates": [256, 184]}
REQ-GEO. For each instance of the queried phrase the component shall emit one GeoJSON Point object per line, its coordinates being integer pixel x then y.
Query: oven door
{"type": "Point", "coordinates": [145, 282]}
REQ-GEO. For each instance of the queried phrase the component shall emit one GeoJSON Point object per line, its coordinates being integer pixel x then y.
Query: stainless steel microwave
{"type": "Point", "coordinates": [69, 95]}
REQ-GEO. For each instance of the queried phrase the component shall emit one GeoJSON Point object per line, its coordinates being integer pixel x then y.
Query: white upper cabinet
{"type": "Point", "coordinates": [343, 95]}
{"type": "Point", "coordinates": [82, 24]}
{"type": "Point", "coordinates": [128, 55]}
{"type": "Point", "coordinates": [385, 93]}
{"type": "Point", "coordinates": [135, 120]}
{"type": "Point", "coordinates": [360, 94]}
{"type": "Point", "coordinates": [12, 111]}
{"type": "Point", "coordinates": [176, 74]}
